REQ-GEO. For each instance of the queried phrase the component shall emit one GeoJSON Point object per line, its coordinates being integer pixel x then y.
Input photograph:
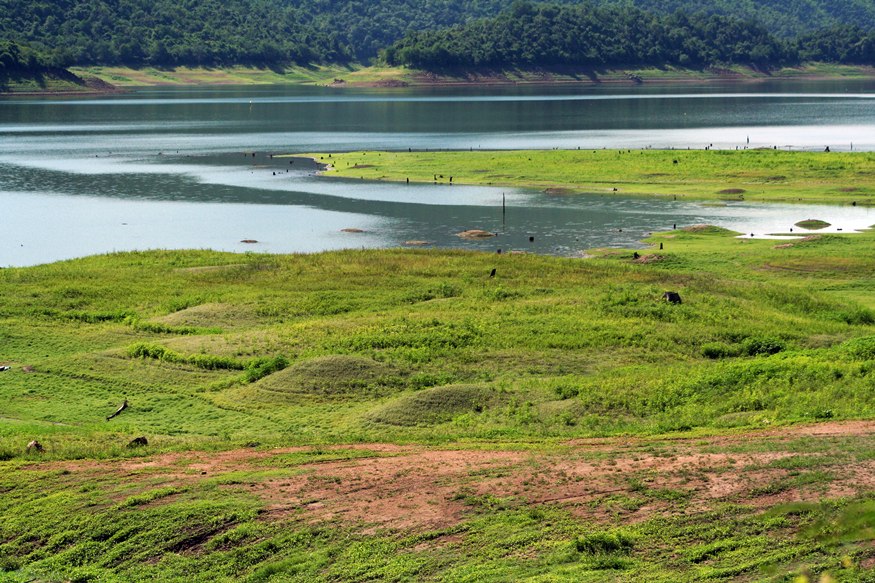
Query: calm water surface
{"type": "Point", "coordinates": [165, 168]}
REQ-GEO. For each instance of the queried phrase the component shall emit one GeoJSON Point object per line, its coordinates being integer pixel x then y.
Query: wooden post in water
{"type": "Point", "coordinates": [503, 211]}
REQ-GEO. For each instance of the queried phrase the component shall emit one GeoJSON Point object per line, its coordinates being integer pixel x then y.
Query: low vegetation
{"type": "Point", "coordinates": [765, 175]}
{"type": "Point", "coordinates": [401, 415]}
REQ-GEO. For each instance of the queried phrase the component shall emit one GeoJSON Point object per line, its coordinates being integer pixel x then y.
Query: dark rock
{"type": "Point", "coordinates": [138, 442]}
{"type": "Point", "coordinates": [672, 297]}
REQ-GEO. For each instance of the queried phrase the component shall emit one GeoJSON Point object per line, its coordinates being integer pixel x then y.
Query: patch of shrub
{"type": "Point", "coordinates": [433, 335]}
{"type": "Point", "coordinates": [157, 328]}
{"type": "Point", "coordinates": [211, 362]}
{"type": "Point", "coordinates": [441, 291]}
{"type": "Point", "coordinates": [204, 361]}
{"type": "Point", "coordinates": [500, 294]}
{"type": "Point", "coordinates": [144, 350]}
{"type": "Point", "coordinates": [609, 563]}
{"type": "Point", "coordinates": [762, 346]}
{"type": "Point", "coordinates": [423, 380]}
{"type": "Point", "coordinates": [601, 543]}
{"type": "Point", "coordinates": [564, 391]}
{"type": "Point", "coordinates": [857, 317]}
{"type": "Point", "coordinates": [259, 368]}
{"type": "Point", "coordinates": [97, 317]}
{"type": "Point", "coordinates": [860, 348]}
{"type": "Point", "coordinates": [323, 304]}
{"type": "Point", "coordinates": [8, 564]}
{"type": "Point", "coordinates": [715, 350]}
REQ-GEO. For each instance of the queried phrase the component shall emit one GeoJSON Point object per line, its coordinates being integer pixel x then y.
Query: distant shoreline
{"type": "Point", "coordinates": [105, 80]}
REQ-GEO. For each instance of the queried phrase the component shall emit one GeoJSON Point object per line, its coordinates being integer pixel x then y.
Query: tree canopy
{"type": "Point", "coordinates": [584, 35]}
{"type": "Point", "coordinates": [57, 33]}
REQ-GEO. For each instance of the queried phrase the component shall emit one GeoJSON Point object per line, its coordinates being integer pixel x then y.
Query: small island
{"type": "Point", "coordinates": [813, 224]}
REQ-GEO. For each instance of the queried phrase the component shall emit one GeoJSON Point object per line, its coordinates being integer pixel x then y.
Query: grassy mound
{"type": "Point", "coordinates": [708, 230]}
{"type": "Point", "coordinates": [334, 375]}
{"type": "Point", "coordinates": [210, 315]}
{"type": "Point", "coordinates": [436, 405]}
{"type": "Point", "coordinates": [812, 224]}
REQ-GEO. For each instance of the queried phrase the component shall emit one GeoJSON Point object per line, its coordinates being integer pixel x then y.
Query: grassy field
{"type": "Point", "coordinates": [400, 415]}
{"type": "Point", "coordinates": [764, 175]}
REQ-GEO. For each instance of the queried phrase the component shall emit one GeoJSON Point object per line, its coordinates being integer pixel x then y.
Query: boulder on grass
{"type": "Point", "coordinates": [138, 442]}
{"type": "Point", "coordinates": [672, 297]}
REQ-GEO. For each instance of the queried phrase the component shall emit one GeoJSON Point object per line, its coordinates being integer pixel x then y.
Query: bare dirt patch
{"type": "Point", "coordinates": [413, 487]}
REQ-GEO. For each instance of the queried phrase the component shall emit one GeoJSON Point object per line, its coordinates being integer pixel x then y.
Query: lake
{"type": "Point", "coordinates": [173, 167]}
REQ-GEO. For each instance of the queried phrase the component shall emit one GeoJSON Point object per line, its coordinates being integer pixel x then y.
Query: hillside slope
{"type": "Point", "coordinates": [257, 32]}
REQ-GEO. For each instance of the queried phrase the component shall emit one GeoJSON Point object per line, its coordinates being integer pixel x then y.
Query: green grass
{"type": "Point", "coordinates": [813, 224]}
{"type": "Point", "coordinates": [763, 333]}
{"type": "Point", "coordinates": [216, 351]}
{"type": "Point", "coordinates": [765, 175]}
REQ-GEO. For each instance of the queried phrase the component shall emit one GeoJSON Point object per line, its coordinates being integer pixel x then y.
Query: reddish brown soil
{"type": "Point", "coordinates": [419, 487]}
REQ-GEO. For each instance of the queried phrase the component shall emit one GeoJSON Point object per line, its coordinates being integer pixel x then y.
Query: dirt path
{"type": "Point", "coordinates": [419, 487]}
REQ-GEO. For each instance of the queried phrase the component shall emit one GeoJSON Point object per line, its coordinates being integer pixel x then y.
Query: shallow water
{"type": "Point", "coordinates": [166, 168]}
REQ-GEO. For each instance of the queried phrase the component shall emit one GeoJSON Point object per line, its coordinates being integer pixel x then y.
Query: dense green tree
{"type": "Point", "coordinates": [585, 35]}
{"type": "Point", "coordinates": [15, 58]}
{"type": "Point", "coordinates": [840, 45]}
{"type": "Point", "coordinates": [437, 32]}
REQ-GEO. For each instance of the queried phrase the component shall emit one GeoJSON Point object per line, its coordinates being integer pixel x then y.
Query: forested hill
{"type": "Point", "coordinates": [274, 32]}
{"type": "Point", "coordinates": [546, 35]}
{"type": "Point", "coordinates": [223, 32]}
{"type": "Point", "coordinates": [540, 35]}
{"type": "Point", "coordinates": [784, 18]}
